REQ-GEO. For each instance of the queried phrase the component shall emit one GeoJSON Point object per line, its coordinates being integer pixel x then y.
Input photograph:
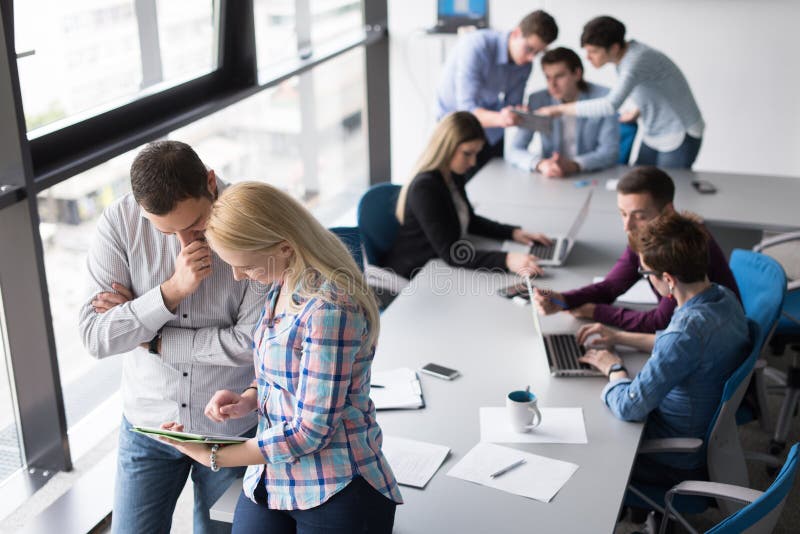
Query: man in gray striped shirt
{"type": "Point", "coordinates": [159, 296]}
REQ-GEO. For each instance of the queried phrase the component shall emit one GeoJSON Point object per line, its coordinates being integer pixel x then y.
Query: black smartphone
{"type": "Point", "coordinates": [439, 371]}
{"type": "Point", "coordinates": [520, 289]}
{"type": "Point", "coordinates": [704, 187]}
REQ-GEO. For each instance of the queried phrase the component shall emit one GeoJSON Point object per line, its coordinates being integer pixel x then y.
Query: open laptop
{"type": "Point", "coordinates": [555, 254]}
{"type": "Point", "coordinates": [453, 14]}
{"type": "Point", "coordinates": [562, 350]}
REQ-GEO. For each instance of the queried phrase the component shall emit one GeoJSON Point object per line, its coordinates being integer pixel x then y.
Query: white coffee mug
{"type": "Point", "coordinates": [523, 412]}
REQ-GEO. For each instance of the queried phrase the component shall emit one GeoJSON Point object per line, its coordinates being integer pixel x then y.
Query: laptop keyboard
{"type": "Point", "coordinates": [544, 252]}
{"type": "Point", "coordinates": [565, 352]}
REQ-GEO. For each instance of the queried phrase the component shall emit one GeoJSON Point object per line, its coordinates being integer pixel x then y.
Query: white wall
{"type": "Point", "coordinates": [739, 57]}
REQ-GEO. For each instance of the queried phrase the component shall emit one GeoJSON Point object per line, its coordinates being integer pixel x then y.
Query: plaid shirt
{"type": "Point", "coordinates": [317, 428]}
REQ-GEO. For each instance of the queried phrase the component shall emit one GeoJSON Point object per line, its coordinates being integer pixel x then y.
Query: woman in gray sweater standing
{"type": "Point", "coordinates": [670, 119]}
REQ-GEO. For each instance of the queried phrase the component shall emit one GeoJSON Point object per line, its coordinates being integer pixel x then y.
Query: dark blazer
{"type": "Point", "coordinates": [431, 229]}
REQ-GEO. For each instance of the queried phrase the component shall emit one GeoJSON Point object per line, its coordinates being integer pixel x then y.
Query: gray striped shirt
{"type": "Point", "coordinates": [660, 90]}
{"type": "Point", "coordinates": [206, 344]}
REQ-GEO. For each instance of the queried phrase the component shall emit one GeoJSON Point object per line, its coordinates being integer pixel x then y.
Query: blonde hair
{"type": "Point", "coordinates": [452, 130]}
{"type": "Point", "coordinates": [254, 216]}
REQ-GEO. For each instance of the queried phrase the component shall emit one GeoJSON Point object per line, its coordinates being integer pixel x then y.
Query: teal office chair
{"type": "Point", "coordinates": [762, 286]}
{"type": "Point", "coordinates": [351, 237]}
{"type": "Point", "coordinates": [725, 457]}
{"type": "Point", "coordinates": [627, 133]}
{"type": "Point", "coordinates": [762, 510]}
{"type": "Point", "coordinates": [376, 220]}
{"type": "Point", "coordinates": [787, 332]}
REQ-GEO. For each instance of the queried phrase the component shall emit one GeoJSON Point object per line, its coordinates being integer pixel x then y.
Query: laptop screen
{"type": "Point", "coordinates": [462, 9]}
{"type": "Point", "coordinates": [576, 226]}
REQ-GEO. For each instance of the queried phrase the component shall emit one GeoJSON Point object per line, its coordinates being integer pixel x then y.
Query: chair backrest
{"type": "Point", "coordinates": [627, 133]}
{"type": "Point", "coordinates": [762, 285]}
{"type": "Point", "coordinates": [724, 453]}
{"type": "Point", "coordinates": [376, 220]}
{"type": "Point", "coordinates": [761, 515]}
{"type": "Point", "coordinates": [351, 238]}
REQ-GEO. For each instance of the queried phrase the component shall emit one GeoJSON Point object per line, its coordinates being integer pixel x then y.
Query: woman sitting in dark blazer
{"type": "Point", "coordinates": [435, 214]}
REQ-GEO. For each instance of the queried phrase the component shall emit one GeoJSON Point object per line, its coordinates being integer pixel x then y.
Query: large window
{"type": "Point", "coordinates": [269, 90]}
{"type": "Point", "coordinates": [79, 57]}
{"type": "Point", "coordinates": [306, 136]}
{"type": "Point", "coordinates": [10, 450]}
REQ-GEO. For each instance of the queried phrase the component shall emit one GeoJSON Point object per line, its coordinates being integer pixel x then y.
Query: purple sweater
{"type": "Point", "coordinates": [623, 275]}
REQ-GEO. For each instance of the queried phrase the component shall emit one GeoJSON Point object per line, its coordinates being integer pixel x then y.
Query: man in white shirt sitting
{"type": "Point", "coordinates": [574, 144]}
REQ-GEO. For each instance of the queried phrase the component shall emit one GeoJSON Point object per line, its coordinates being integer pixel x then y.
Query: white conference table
{"type": "Point", "coordinates": [742, 201]}
{"type": "Point", "coordinates": [452, 317]}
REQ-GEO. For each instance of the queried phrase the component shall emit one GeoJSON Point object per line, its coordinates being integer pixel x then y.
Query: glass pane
{"type": "Point", "coordinates": [341, 132]}
{"type": "Point", "coordinates": [333, 18]}
{"type": "Point", "coordinates": [306, 136]}
{"type": "Point", "coordinates": [83, 56]}
{"type": "Point", "coordinates": [186, 31]}
{"type": "Point", "coordinates": [276, 34]}
{"type": "Point", "coordinates": [10, 443]}
{"type": "Point", "coordinates": [69, 212]}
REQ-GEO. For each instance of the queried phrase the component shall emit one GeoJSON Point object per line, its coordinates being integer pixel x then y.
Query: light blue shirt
{"type": "Point", "coordinates": [479, 74]}
{"type": "Point", "coordinates": [680, 387]}
{"type": "Point", "coordinates": [597, 138]}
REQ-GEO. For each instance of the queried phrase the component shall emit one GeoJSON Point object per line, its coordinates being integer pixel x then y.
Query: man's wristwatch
{"type": "Point", "coordinates": [616, 367]}
{"type": "Point", "coordinates": [152, 347]}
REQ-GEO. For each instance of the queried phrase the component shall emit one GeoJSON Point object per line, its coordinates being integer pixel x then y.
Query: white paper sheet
{"type": "Point", "coordinates": [538, 478]}
{"type": "Point", "coordinates": [413, 462]}
{"type": "Point", "coordinates": [559, 425]}
{"type": "Point", "coordinates": [639, 293]}
{"type": "Point", "coordinates": [401, 389]}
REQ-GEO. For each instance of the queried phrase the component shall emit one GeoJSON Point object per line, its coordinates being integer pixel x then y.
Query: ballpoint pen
{"type": "Point", "coordinates": [507, 468]}
{"type": "Point", "coordinates": [556, 301]}
{"type": "Point", "coordinates": [376, 386]}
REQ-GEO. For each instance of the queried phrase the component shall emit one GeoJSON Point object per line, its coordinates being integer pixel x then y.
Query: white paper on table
{"type": "Point", "coordinates": [559, 425]}
{"type": "Point", "coordinates": [538, 478]}
{"type": "Point", "coordinates": [611, 184]}
{"type": "Point", "coordinates": [639, 293]}
{"type": "Point", "coordinates": [401, 389]}
{"type": "Point", "coordinates": [413, 462]}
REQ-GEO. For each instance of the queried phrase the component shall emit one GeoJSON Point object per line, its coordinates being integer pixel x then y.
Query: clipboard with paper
{"type": "Point", "coordinates": [533, 122]}
{"type": "Point", "coordinates": [396, 389]}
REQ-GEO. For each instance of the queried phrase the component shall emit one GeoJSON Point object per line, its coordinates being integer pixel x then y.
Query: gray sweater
{"type": "Point", "coordinates": [659, 89]}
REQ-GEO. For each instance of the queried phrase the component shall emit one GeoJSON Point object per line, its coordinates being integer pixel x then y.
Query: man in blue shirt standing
{"type": "Point", "coordinates": [486, 75]}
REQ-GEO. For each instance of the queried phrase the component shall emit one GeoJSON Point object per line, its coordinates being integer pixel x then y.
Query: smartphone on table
{"type": "Point", "coordinates": [439, 371]}
{"type": "Point", "coordinates": [704, 187]}
{"type": "Point", "coordinates": [520, 289]}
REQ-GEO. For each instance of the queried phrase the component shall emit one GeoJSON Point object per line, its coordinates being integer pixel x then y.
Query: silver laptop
{"type": "Point", "coordinates": [563, 350]}
{"type": "Point", "coordinates": [555, 254]}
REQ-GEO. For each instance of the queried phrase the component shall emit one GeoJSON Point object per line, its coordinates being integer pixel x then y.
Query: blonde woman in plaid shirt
{"type": "Point", "coordinates": [315, 463]}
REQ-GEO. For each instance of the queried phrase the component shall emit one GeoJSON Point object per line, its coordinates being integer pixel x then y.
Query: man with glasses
{"type": "Point", "coordinates": [642, 195]}
{"type": "Point", "coordinates": [486, 74]}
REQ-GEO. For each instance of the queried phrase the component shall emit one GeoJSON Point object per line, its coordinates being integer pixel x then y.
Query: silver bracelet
{"type": "Point", "coordinates": [213, 459]}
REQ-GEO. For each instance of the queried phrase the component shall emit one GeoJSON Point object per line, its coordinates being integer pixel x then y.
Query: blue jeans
{"type": "Point", "coordinates": [151, 476]}
{"type": "Point", "coordinates": [358, 508]}
{"type": "Point", "coordinates": [681, 158]}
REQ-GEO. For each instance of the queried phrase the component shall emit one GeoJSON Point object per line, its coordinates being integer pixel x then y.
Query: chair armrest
{"type": "Point", "coordinates": [777, 240]}
{"type": "Point", "coordinates": [650, 446]}
{"type": "Point", "coordinates": [768, 459]}
{"type": "Point", "coordinates": [793, 285]}
{"type": "Point", "coordinates": [385, 279]}
{"type": "Point", "coordinates": [716, 490]}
